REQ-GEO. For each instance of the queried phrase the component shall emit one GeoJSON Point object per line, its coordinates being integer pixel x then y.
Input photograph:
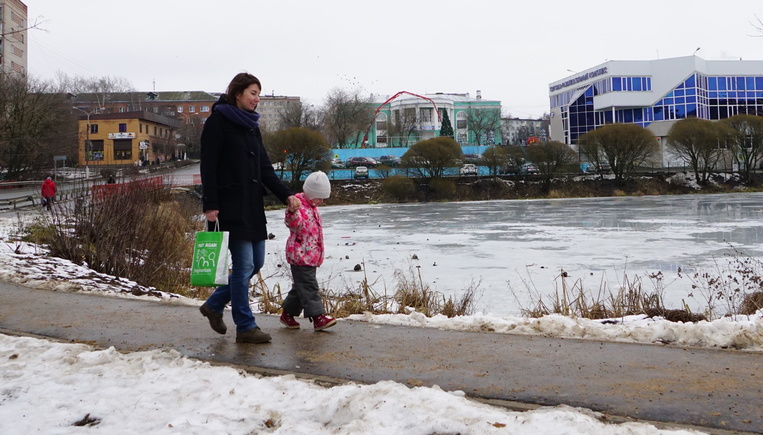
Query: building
{"type": "Point", "coordinates": [189, 108]}
{"type": "Point", "coordinates": [518, 131]}
{"type": "Point", "coordinates": [13, 37]}
{"type": "Point", "coordinates": [654, 94]}
{"type": "Point", "coordinates": [274, 108]}
{"type": "Point", "coordinates": [128, 138]}
{"type": "Point", "coordinates": [406, 118]}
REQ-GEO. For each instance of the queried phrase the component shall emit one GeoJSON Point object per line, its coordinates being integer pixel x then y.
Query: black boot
{"type": "Point", "coordinates": [215, 319]}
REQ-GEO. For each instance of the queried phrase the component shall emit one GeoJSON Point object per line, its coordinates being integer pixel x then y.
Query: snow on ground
{"type": "Point", "coordinates": [56, 388]}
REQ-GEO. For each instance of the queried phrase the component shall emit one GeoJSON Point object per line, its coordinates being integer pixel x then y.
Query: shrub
{"type": "Point", "coordinates": [442, 188]}
{"type": "Point", "coordinates": [138, 230]}
{"type": "Point", "coordinates": [398, 187]}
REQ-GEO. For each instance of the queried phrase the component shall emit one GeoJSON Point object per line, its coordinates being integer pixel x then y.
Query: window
{"type": "Point", "coordinates": [93, 128]}
{"type": "Point", "coordinates": [122, 128]}
{"type": "Point", "coordinates": [461, 120]}
{"type": "Point", "coordinates": [95, 151]}
{"type": "Point", "coordinates": [205, 108]}
{"type": "Point", "coordinates": [381, 122]}
{"type": "Point", "coordinates": [123, 149]}
{"type": "Point", "coordinates": [180, 109]}
{"type": "Point", "coordinates": [191, 109]}
{"type": "Point", "coordinates": [426, 114]}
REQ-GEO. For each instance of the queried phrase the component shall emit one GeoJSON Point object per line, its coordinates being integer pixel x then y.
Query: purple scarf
{"type": "Point", "coordinates": [237, 116]}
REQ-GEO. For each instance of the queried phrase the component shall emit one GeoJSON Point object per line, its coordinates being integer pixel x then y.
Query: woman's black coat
{"type": "Point", "coordinates": [235, 170]}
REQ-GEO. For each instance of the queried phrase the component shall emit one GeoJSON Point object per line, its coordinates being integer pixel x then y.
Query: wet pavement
{"type": "Point", "coordinates": [716, 391]}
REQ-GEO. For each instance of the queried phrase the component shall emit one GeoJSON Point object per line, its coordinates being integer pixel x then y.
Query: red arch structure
{"type": "Point", "coordinates": [378, 109]}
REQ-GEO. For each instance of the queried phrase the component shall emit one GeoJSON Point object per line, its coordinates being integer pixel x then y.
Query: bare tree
{"type": "Point", "coordinates": [758, 26]}
{"type": "Point", "coordinates": [696, 141]}
{"type": "Point", "coordinates": [495, 158]}
{"type": "Point", "coordinates": [431, 157]}
{"type": "Point", "coordinates": [483, 122]}
{"type": "Point", "coordinates": [623, 146]}
{"type": "Point", "coordinates": [745, 137]}
{"type": "Point", "coordinates": [298, 114]}
{"type": "Point", "coordinates": [403, 126]}
{"type": "Point", "coordinates": [346, 117]}
{"type": "Point", "coordinates": [550, 158]}
{"type": "Point", "coordinates": [299, 149]}
{"type": "Point", "coordinates": [35, 125]}
{"type": "Point", "coordinates": [99, 87]}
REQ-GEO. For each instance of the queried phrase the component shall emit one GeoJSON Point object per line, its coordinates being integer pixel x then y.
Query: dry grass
{"type": "Point", "coordinates": [139, 231]}
{"type": "Point", "coordinates": [411, 294]}
{"type": "Point", "coordinates": [630, 298]}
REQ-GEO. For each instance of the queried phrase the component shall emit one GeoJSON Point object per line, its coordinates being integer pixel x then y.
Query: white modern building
{"type": "Point", "coordinates": [654, 94]}
{"type": "Point", "coordinates": [13, 37]}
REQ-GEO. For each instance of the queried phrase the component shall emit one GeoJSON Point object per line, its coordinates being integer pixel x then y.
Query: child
{"type": "Point", "coordinates": [304, 252]}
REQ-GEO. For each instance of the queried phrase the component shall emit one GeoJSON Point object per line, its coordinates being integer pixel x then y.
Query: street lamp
{"type": "Point", "coordinates": [89, 145]}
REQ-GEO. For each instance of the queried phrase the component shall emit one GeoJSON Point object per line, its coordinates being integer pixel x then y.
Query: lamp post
{"type": "Point", "coordinates": [88, 144]}
{"type": "Point", "coordinates": [185, 135]}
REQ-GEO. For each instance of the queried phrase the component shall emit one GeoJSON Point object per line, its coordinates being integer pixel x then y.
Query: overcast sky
{"type": "Point", "coordinates": [510, 51]}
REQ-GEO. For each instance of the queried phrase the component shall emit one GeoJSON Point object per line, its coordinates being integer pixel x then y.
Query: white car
{"type": "Point", "coordinates": [360, 172]}
{"type": "Point", "coordinates": [468, 169]}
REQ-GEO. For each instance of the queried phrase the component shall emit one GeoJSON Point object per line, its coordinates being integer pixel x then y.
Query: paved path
{"type": "Point", "coordinates": [718, 390]}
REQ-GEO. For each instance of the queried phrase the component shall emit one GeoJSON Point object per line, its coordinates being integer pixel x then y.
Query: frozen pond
{"type": "Point", "coordinates": [513, 248]}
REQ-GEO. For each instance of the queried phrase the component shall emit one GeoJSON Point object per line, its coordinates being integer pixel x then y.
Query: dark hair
{"type": "Point", "coordinates": [239, 84]}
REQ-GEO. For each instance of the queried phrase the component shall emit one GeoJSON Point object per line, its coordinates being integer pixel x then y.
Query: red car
{"type": "Point", "coordinates": [361, 161]}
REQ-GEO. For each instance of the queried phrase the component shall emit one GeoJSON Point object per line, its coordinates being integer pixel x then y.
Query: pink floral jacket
{"type": "Point", "coordinates": [305, 244]}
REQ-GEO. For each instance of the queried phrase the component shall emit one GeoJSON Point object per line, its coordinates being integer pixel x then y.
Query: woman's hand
{"type": "Point", "coordinates": [211, 215]}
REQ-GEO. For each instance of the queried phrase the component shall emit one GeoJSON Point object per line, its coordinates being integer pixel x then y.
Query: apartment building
{"type": "Point", "coordinates": [13, 37]}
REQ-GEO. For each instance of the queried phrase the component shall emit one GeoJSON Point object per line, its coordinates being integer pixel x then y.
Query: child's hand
{"type": "Point", "coordinates": [293, 203]}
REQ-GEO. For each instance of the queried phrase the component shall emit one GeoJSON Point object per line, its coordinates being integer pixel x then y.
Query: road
{"type": "Point", "coordinates": [717, 391]}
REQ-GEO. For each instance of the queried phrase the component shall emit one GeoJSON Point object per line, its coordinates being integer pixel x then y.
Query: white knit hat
{"type": "Point", "coordinates": [317, 185]}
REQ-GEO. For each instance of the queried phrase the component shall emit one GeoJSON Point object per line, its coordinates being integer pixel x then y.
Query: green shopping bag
{"type": "Point", "coordinates": [210, 259]}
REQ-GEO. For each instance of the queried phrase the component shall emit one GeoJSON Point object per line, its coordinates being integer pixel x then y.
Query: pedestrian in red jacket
{"type": "Point", "coordinates": [48, 192]}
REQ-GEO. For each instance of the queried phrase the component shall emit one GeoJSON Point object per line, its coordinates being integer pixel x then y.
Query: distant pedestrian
{"type": "Point", "coordinates": [48, 191]}
{"type": "Point", "coordinates": [304, 252]}
{"type": "Point", "coordinates": [111, 180]}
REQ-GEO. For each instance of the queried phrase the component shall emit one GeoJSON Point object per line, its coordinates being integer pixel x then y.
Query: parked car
{"type": "Point", "coordinates": [604, 168]}
{"type": "Point", "coordinates": [472, 158]}
{"type": "Point", "coordinates": [337, 163]}
{"type": "Point", "coordinates": [368, 162]}
{"type": "Point", "coordinates": [529, 169]}
{"type": "Point", "coordinates": [508, 169]}
{"type": "Point", "coordinates": [468, 169]}
{"type": "Point", "coordinates": [360, 172]}
{"type": "Point", "coordinates": [389, 160]}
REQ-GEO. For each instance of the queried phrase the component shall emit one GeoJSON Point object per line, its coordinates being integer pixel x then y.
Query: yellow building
{"type": "Point", "coordinates": [129, 138]}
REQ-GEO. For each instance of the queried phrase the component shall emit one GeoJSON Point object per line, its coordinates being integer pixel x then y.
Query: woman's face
{"type": "Point", "coordinates": [248, 99]}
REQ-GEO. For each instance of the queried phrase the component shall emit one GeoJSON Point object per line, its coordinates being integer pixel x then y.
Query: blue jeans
{"type": "Point", "coordinates": [248, 258]}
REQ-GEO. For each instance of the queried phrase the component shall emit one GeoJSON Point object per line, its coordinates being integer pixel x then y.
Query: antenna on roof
{"type": "Point", "coordinates": [154, 82]}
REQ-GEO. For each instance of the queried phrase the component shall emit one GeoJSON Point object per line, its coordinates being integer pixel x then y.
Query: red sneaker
{"type": "Point", "coordinates": [322, 322]}
{"type": "Point", "coordinates": [288, 321]}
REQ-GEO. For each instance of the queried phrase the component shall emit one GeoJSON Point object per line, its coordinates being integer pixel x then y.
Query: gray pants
{"type": "Point", "coordinates": [304, 293]}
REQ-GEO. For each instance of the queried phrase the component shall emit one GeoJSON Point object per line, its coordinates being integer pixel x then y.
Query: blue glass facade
{"type": "Point", "coordinates": [701, 96]}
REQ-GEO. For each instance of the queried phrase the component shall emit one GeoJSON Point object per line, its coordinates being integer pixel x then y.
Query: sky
{"type": "Point", "coordinates": [40, 377]}
{"type": "Point", "coordinates": [510, 51]}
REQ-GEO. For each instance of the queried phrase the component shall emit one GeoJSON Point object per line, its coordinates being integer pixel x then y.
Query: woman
{"type": "Point", "coordinates": [235, 171]}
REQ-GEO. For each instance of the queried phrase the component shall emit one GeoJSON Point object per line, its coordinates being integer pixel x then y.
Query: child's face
{"type": "Point", "coordinates": [317, 201]}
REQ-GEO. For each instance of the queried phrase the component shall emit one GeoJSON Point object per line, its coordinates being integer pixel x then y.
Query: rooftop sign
{"type": "Point", "coordinates": [578, 79]}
